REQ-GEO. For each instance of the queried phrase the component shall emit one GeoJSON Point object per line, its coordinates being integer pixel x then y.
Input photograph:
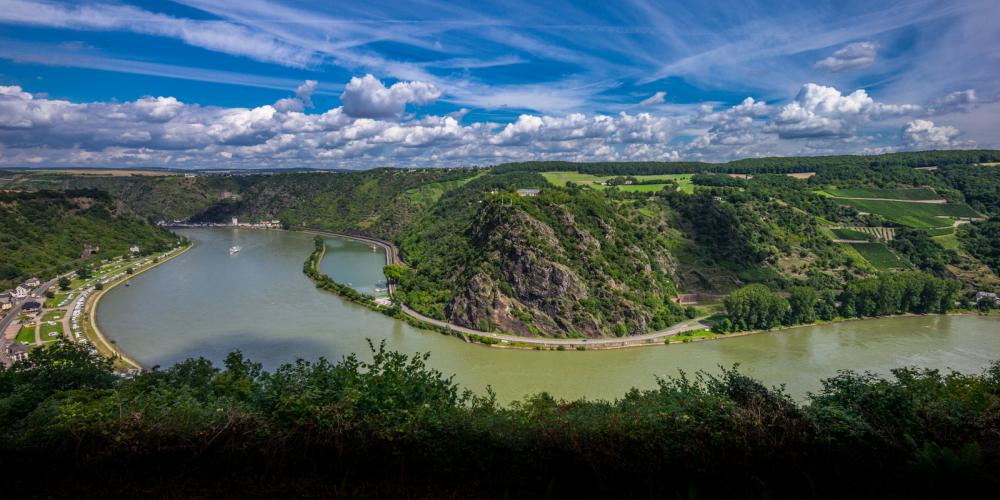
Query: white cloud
{"type": "Point", "coordinates": [924, 134]}
{"type": "Point", "coordinates": [960, 101]}
{"type": "Point", "coordinates": [821, 111]}
{"type": "Point", "coordinates": [164, 131]}
{"type": "Point", "coordinates": [367, 97]}
{"type": "Point", "coordinates": [654, 99]}
{"type": "Point", "coordinates": [853, 56]}
{"type": "Point", "coordinates": [220, 36]}
{"type": "Point", "coordinates": [305, 92]}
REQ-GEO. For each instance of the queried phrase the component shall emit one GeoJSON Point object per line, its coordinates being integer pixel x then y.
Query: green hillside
{"type": "Point", "coordinates": [43, 233]}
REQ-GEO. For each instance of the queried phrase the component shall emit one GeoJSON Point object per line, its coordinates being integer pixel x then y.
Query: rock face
{"type": "Point", "coordinates": [531, 282]}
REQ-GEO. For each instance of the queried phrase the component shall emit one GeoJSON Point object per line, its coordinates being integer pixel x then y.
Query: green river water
{"type": "Point", "coordinates": [207, 303]}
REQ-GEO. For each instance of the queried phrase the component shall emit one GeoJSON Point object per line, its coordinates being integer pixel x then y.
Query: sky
{"type": "Point", "coordinates": [272, 84]}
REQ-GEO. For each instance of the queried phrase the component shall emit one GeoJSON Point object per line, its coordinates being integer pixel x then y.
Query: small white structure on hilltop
{"type": "Point", "coordinates": [133, 249]}
{"type": "Point", "coordinates": [528, 192]}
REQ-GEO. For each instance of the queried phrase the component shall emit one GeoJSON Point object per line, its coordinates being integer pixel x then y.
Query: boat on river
{"type": "Point", "coordinates": [234, 250]}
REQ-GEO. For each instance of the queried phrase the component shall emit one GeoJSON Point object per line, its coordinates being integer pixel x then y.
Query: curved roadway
{"type": "Point", "coordinates": [392, 257]}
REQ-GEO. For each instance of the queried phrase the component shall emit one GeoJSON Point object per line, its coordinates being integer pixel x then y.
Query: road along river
{"type": "Point", "coordinates": [207, 302]}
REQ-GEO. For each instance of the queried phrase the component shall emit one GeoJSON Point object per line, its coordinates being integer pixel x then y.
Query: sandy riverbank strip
{"type": "Point", "coordinates": [97, 336]}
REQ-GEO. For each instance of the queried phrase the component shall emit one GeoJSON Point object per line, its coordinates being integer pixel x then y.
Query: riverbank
{"type": "Point", "coordinates": [93, 331]}
{"type": "Point", "coordinates": [693, 330]}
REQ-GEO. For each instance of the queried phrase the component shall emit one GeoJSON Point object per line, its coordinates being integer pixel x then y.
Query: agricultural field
{"type": "Point", "coordinates": [846, 233]}
{"type": "Point", "coordinates": [878, 255]}
{"type": "Point", "coordinates": [918, 215]}
{"type": "Point", "coordinates": [561, 178]}
{"type": "Point", "coordinates": [890, 194]}
{"type": "Point", "coordinates": [941, 231]}
{"type": "Point", "coordinates": [866, 233]}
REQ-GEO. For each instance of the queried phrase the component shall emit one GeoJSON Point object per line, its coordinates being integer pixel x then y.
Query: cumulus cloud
{"type": "Point", "coordinates": [367, 97]}
{"type": "Point", "coordinates": [372, 128]}
{"type": "Point", "coordinates": [821, 111]}
{"type": "Point", "coordinates": [654, 99]}
{"type": "Point", "coordinates": [961, 101]}
{"type": "Point", "coordinates": [305, 92]}
{"type": "Point", "coordinates": [924, 134]}
{"type": "Point", "coordinates": [853, 56]}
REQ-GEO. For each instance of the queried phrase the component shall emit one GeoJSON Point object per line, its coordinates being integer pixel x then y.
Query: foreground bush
{"type": "Point", "coordinates": [394, 427]}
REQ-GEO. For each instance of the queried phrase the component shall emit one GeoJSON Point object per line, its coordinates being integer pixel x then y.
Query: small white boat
{"type": "Point", "coordinates": [234, 250]}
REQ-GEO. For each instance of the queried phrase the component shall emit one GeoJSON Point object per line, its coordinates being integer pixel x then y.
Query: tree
{"type": "Point", "coordinates": [755, 307]}
{"type": "Point", "coordinates": [83, 273]}
{"type": "Point", "coordinates": [64, 283]}
{"type": "Point", "coordinates": [98, 286]}
{"type": "Point", "coordinates": [802, 300]}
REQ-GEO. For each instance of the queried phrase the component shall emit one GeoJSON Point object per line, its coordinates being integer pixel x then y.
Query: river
{"type": "Point", "coordinates": [206, 302]}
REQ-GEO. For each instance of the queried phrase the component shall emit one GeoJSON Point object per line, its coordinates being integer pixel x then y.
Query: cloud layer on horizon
{"type": "Point", "coordinates": [373, 128]}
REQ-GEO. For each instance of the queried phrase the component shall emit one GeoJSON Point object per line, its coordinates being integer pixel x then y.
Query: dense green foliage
{"type": "Point", "coordinates": [755, 307]}
{"type": "Point", "coordinates": [921, 251]}
{"type": "Point", "coordinates": [392, 427]}
{"type": "Point", "coordinates": [982, 239]}
{"type": "Point", "coordinates": [45, 233]}
{"type": "Point", "coordinates": [550, 257]}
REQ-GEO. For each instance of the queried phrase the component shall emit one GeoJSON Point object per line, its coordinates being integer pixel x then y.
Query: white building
{"type": "Point", "coordinates": [20, 292]}
{"type": "Point", "coordinates": [133, 249]}
{"type": "Point", "coordinates": [236, 221]}
{"type": "Point", "coordinates": [32, 282]}
{"type": "Point", "coordinates": [528, 192]}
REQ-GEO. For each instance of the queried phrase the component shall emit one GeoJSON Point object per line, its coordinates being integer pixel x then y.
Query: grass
{"type": "Point", "coordinates": [947, 241]}
{"type": "Point", "coordinates": [53, 315]}
{"type": "Point", "coordinates": [894, 194]}
{"type": "Point", "coordinates": [26, 334]}
{"type": "Point", "coordinates": [849, 234]}
{"type": "Point", "coordinates": [918, 215]}
{"type": "Point", "coordinates": [428, 194]}
{"type": "Point", "coordinates": [941, 231]}
{"type": "Point", "coordinates": [49, 329]}
{"type": "Point", "coordinates": [561, 178]}
{"type": "Point", "coordinates": [690, 335]}
{"type": "Point", "coordinates": [878, 255]}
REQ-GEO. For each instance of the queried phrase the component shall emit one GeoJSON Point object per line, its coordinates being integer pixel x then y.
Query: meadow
{"type": "Point", "coordinates": [561, 178]}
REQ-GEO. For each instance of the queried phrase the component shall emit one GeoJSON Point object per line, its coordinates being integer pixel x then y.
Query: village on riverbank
{"type": "Point", "coordinates": [36, 314]}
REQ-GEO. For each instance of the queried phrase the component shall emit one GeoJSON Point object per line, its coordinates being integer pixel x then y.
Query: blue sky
{"type": "Point", "coordinates": [198, 83]}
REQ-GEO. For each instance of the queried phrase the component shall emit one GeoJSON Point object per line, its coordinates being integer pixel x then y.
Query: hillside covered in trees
{"type": "Point", "coordinates": [44, 233]}
{"type": "Point", "coordinates": [600, 252]}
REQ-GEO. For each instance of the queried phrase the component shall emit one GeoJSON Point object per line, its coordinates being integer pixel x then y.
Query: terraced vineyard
{"type": "Point", "coordinates": [918, 215]}
{"type": "Point", "coordinates": [878, 255]}
{"type": "Point", "coordinates": [891, 194]}
{"type": "Point", "coordinates": [864, 233]}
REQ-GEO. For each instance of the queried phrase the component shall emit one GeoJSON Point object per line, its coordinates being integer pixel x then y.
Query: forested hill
{"type": "Point", "coordinates": [762, 165]}
{"type": "Point", "coordinates": [43, 233]}
{"type": "Point", "coordinates": [601, 249]}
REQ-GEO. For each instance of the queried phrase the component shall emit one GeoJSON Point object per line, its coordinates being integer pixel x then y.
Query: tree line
{"type": "Point", "coordinates": [756, 307]}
